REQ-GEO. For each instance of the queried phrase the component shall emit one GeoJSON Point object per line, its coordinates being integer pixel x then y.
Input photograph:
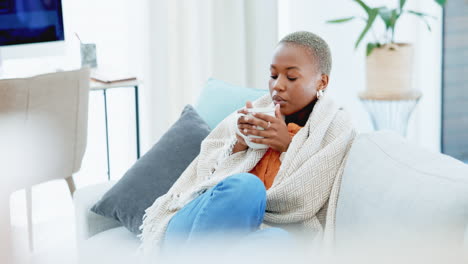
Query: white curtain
{"type": "Point", "coordinates": [184, 42]}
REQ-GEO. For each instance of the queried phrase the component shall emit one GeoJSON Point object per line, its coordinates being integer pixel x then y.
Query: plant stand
{"type": "Point", "coordinates": [393, 115]}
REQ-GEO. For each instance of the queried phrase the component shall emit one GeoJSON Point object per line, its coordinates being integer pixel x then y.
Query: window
{"type": "Point", "coordinates": [455, 80]}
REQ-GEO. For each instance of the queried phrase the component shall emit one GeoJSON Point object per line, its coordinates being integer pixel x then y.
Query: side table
{"type": "Point", "coordinates": [390, 114]}
{"type": "Point", "coordinates": [96, 86]}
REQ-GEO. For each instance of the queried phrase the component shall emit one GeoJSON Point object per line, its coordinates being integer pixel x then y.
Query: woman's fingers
{"type": "Point", "coordinates": [242, 111]}
{"type": "Point", "coordinates": [265, 141]}
{"type": "Point", "coordinates": [262, 123]}
{"type": "Point", "coordinates": [256, 132]}
{"type": "Point", "coordinates": [246, 126]}
{"type": "Point", "coordinates": [266, 118]}
{"type": "Point", "coordinates": [253, 121]}
{"type": "Point", "coordinates": [241, 139]}
{"type": "Point", "coordinates": [250, 120]}
{"type": "Point", "coordinates": [245, 120]}
{"type": "Point", "coordinates": [241, 119]}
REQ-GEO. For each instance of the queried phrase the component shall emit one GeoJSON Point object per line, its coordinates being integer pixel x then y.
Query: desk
{"type": "Point", "coordinates": [96, 86]}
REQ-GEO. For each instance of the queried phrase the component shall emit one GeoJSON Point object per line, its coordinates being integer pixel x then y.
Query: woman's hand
{"type": "Point", "coordinates": [275, 135]}
{"type": "Point", "coordinates": [242, 121]}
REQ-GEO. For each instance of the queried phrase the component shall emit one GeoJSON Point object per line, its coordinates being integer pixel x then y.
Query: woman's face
{"type": "Point", "coordinates": [295, 78]}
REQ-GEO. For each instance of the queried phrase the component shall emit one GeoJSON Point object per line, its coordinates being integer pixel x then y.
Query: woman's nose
{"type": "Point", "coordinates": [279, 84]}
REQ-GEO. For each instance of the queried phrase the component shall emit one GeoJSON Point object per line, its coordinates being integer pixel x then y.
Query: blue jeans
{"type": "Point", "coordinates": [235, 206]}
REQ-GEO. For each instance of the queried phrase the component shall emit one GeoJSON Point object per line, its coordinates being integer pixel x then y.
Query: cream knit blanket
{"type": "Point", "coordinates": [299, 196]}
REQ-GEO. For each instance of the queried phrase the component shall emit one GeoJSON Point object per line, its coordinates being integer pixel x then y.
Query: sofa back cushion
{"type": "Point", "coordinates": [394, 190]}
{"type": "Point", "coordinates": [218, 99]}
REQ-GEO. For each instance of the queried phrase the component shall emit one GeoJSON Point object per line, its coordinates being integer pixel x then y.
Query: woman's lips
{"type": "Point", "coordinates": [280, 102]}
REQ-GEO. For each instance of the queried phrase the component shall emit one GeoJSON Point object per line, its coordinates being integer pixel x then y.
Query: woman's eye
{"type": "Point", "coordinates": [292, 79]}
{"type": "Point", "coordinates": [274, 77]}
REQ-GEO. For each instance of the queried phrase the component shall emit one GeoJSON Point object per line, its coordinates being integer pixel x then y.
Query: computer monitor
{"type": "Point", "coordinates": [31, 28]}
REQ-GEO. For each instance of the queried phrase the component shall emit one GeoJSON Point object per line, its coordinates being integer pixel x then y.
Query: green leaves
{"type": "Point", "coordinates": [402, 4]}
{"type": "Point", "coordinates": [370, 47]}
{"type": "Point", "coordinates": [364, 6]}
{"type": "Point", "coordinates": [441, 2]}
{"type": "Point", "coordinates": [373, 12]}
{"type": "Point", "coordinates": [389, 16]}
{"type": "Point", "coordinates": [423, 16]}
{"type": "Point", "coordinates": [341, 20]}
{"type": "Point", "coordinates": [371, 16]}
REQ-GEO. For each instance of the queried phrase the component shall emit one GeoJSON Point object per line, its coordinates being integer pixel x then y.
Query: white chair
{"type": "Point", "coordinates": [43, 131]}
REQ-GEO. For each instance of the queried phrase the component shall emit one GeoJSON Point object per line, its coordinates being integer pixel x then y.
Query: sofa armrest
{"type": "Point", "coordinates": [89, 223]}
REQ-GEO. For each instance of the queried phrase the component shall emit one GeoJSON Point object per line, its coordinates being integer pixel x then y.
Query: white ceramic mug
{"type": "Point", "coordinates": [263, 110]}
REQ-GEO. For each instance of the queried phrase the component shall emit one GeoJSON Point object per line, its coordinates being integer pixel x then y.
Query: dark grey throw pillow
{"type": "Point", "coordinates": [155, 172]}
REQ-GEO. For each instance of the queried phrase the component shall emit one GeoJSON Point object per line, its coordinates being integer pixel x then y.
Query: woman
{"type": "Point", "coordinates": [231, 188]}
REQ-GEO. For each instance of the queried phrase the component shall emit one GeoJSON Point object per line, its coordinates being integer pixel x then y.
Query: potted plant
{"type": "Point", "coordinates": [389, 64]}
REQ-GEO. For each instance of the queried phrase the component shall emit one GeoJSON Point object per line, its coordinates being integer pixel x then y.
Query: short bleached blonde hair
{"type": "Point", "coordinates": [315, 45]}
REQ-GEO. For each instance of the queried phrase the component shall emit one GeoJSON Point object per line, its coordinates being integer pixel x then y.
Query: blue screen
{"type": "Point", "coordinates": [30, 21]}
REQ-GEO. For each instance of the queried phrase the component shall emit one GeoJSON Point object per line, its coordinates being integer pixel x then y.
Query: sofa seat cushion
{"type": "Point", "coordinates": [116, 245]}
{"type": "Point", "coordinates": [394, 190]}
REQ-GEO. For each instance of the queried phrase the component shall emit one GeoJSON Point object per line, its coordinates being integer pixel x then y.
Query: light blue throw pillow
{"type": "Point", "coordinates": [218, 99]}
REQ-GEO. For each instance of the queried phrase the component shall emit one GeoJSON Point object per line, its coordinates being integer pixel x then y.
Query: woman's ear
{"type": "Point", "coordinates": [323, 82]}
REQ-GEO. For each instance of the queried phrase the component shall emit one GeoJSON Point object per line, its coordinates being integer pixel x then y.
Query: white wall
{"type": "Point", "coordinates": [426, 124]}
{"type": "Point", "coordinates": [348, 72]}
